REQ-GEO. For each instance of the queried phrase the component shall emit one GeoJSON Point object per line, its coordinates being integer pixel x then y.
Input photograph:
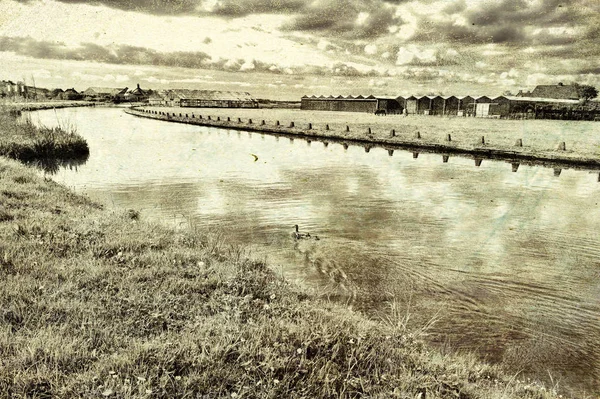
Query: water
{"type": "Point", "coordinates": [482, 258]}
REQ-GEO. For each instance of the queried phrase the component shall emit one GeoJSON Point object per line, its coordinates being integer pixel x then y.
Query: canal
{"type": "Point", "coordinates": [496, 259]}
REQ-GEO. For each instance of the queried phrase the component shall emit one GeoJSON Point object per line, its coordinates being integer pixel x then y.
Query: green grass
{"type": "Point", "coordinates": [97, 303]}
{"type": "Point", "coordinates": [22, 140]}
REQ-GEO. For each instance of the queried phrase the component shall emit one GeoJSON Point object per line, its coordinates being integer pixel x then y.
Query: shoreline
{"type": "Point", "coordinates": [20, 107]}
{"type": "Point", "coordinates": [560, 157]}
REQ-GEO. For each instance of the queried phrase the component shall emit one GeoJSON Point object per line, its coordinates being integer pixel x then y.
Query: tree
{"type": "Point", "coordinates": [587, 92]}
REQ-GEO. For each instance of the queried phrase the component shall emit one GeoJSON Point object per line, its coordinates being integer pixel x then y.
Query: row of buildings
{"type": "Point", "coordinates": [550, 102]}
{"type": "Point", "coordinates": [203, 99]}
{"type": "Point", "coordinates": [20, 91]}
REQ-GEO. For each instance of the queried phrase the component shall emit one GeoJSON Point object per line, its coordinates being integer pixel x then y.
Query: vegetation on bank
{"type": "Point", "coordinates": [98, 303]}
{"type": "Point", "coordinates": [21, 139]}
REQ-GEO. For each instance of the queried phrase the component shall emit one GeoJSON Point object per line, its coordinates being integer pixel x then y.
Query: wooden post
{"type": "Point", "coordinates": [219, 118]}
{"type": "Point", "coordinates": [367, 148]}
{"type": "Point", "coordinates": [482, 140]}
{"type": "Point", "coordinates": [519, 143]}
{"type": "Point", "coordinates": [262, 122]}
{"type": "Point", "coordinates": [308, 141]}
{"type": "Point", "coordinates": [418, 135]}
{"type": "Point", "coordinates": [393, 133]}
{"type": "Point", "coordinates": [326, 127]}
{"type": "Point", "coordinates": [557, 172]}
{"type": "Point", "coordinates": [448, 137]}
{"type": "Point", "coordinates": [415, 155]}
{"type": "Point", "coordinates": [347, 128]}
{"type": "Point", "coordinates": [292, 124]}
{"type": "Point", "coordinates": [478, 162]}
{"type": "Point", "coordinates": [277, 123]}
{"type": "Point", "coordinates": [249, 121]}
{"type": "Point", "coordinates": [515, 166]}
{"type": "Point", "coordinates": [562, 146]}
{"type": "Point", "coordinates": [239, 120]}
{"type": "Point", "coordinates": [209, 117]}
{"type": "Point", "coordinates": [345, 145]}
{"type": "Point", "coordinates": [291, 139]}
{"type": "Point", "coordinates": [390, 152]}
{"type": "Point", "coordinates": [228, 119]}
{"type": "Point", "coordinates": [309, 126]}
{"type": "Point", "coordinates": [445, 158]}
{"type": "Point", "coordinates": [369, 130]}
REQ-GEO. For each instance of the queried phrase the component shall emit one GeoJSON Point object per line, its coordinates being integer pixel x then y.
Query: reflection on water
{"type": "Point", "coordinates": [52, 165]}
{"type": "Point", "coordinates": [498, 257]}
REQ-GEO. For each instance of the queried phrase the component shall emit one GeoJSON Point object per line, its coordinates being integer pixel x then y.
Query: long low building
{"type": "Point", "coordinates": [203, 99]}
{"type": "Point", "coordinates": [359, 103]}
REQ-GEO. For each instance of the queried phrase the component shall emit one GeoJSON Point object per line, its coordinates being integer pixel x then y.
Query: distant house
{"type": "Point", "coordinates": [559, 91]}
{"type": "Point", "coordinates": [56, 93]}
{"type": "Point", "coordinates": [104, 94]}
{"type": "Point", "coordinates": [136, 95]}
{"type": "Point", "coordinates": [71, 94]}
{"type": "Point", "coordinates": [11, 89]}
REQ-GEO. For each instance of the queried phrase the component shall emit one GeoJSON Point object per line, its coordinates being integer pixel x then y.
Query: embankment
{"type": "Point", "coordinates": [96, 303]}
{"type": "Point", "coordinates": [42, 105]}
{"type": "Point", "coordinates": [561, 145]}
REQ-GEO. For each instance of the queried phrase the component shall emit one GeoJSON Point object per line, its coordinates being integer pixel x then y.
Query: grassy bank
{"type": "Point", "coordinates": [22, 140]}
{"type": "Point", "coordinates": [103, 304]}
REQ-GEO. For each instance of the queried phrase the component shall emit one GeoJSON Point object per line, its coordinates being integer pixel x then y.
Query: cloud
{"type": "Point", "coordinates": [345, 18]}
{"type": "Point", "coordinates": [170, 7]}
{"type": "Point", "coordinates": [515, 22]}
{"type": "Point", "coordinates": [114, 54]}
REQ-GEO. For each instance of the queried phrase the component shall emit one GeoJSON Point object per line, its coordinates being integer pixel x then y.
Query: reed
{"type": "Point", "coordinates": [21, 139]}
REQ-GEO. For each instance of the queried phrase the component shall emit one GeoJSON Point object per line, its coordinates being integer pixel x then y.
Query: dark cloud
{"type": "Point", "coordinates": [341, 17]}
{"type": "Point", "coordinates": [510, 21]}
{"type": "Point", "coordinates": [238, 8]}
{"type": "Point", "coordinates": [116, 54]}
{"type": "Point", "coordinates": [160, 7]}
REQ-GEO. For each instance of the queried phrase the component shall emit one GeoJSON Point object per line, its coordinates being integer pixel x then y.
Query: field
{"type": "Point", "coordinates": [538, 136]}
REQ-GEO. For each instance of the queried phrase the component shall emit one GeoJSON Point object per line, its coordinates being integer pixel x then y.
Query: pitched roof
{"type": "Point", "coordinates": [188, 94]}
{"type": "Point", "coordinates": [556, 91]}
{"type": "Point", "coordinates": [541, 99]}
{"type": "Point", "coordinates": [104, 91]}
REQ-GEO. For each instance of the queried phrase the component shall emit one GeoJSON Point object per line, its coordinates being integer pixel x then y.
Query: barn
{"type": "Point", "coordinates": [411, 105]}
{"type": "Point", "coordinates": [466, 106]}
{"type": "Point", "coordinates": [438, 105]}
{"type": "Point", "coordinates": [534, 107]}
{"type": "Point", "coordinates": [203, 99]}
{"type": "Point", "coordinates": [359, 103]}
{"type": "Point", "coordinates": [451, 105]}
{"type": "Point", "coordinates": [482, 106]}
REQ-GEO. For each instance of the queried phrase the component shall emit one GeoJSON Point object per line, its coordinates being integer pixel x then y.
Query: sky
{"type": "Point", "coordinates": [283, 49]}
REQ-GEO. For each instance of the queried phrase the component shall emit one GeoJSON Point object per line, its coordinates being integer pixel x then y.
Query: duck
{"type": "Point", "coordinates": [299, 235]}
